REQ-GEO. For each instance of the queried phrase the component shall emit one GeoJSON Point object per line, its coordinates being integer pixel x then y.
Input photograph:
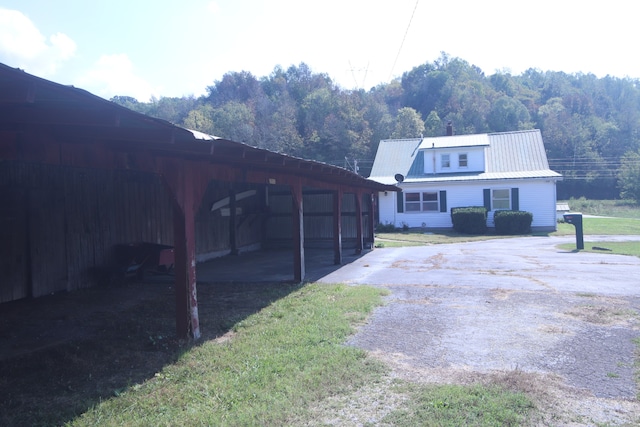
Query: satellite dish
{"type": "Point", "coordinates": [399, 177]}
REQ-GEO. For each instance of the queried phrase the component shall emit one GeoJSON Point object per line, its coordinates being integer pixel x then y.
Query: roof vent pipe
{"type": "Point", "coordinates": [449, 129]}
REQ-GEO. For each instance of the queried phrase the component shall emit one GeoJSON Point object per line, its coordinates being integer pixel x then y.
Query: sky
{"type": "Point", "coordinates": [166, 48]}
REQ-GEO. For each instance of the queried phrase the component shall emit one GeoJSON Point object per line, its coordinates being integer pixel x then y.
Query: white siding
{"type": "Point", "coordinates": [475, 160]}
{"type": "Point", "coordinates": [535, 196]}
{"type": "Point", "coordinates": [539, 198]}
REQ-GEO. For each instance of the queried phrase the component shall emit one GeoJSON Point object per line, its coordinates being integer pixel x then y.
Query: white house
{"type": "Point", "coordinates": [507, 170]}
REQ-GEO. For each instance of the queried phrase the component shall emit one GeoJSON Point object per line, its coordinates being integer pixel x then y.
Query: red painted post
{"type": "Point", "coordinates": [337, 227]}
{"type": "Point", "coordinates": [182, 183]}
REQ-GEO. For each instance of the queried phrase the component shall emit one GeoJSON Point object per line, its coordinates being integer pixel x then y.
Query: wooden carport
{"type": "Point", "coordinates": [45, 123]}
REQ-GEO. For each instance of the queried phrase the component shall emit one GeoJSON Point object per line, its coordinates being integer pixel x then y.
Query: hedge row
{"type": "Point", "coordinates": [469, 220]}
{"type": "Point", "coordinates": [473, 220]}
{"type": "Point", "coordinates": [513, 222]}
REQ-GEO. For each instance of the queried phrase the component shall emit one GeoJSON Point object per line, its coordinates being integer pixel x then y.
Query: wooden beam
{"type": "Point", "coordinates": [180, 269]}
{"type": "Point", "coordinates": [359, 238]}
{"type": "Point", "coordinates": [297, 219]}
{"type": "Point", "coordinates": [186, 183]}
{"type": "Point", "coordinates": [337, 227]}
{"type": "Point", "coordinates": [233, 244]}
{"type": "Point", "coordinates": [372, 225]}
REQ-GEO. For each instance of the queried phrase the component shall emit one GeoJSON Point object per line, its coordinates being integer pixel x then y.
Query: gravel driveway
{"type": "Point", "coordinates": [563, 322]}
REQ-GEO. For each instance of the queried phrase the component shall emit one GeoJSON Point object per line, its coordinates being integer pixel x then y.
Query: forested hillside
{"type": "Point", "coordinates": [591, 126]}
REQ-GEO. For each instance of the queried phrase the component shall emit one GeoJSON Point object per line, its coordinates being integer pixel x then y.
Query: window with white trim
{"type": "Point", "coordinates": [445, 161]}
{"type": "Point", "coordinates": [426, 201]}
{"type": "Point", "coordinates": [462, 160]}
{"type": "Point", "coordinates": [501, 199]}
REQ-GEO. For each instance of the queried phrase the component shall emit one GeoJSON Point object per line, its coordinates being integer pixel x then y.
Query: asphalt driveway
{"type": "Point", "coordinates": [519, 304]}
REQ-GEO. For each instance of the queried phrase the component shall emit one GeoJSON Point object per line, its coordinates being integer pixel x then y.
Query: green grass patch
{"type": "Point", "coordinates": [602, 226]}
{"type": "Point", "coordinates": [619, 248]}
{"type": "Point", "coordinates": [455, 405]}
{"type": "Point", "coordinates": [420, 238]}
{"type": "Point", "coordinates": [593, 226]}
{"type": "Point", "coordinates": [279, 362]}
{"type": "Point", "coordinates": [613, 208]}
{"type": "Point", "coordinates": [283, 363]}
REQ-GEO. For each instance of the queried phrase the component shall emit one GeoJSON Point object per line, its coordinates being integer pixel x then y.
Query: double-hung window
{"type": "Point", "coordinates": [501, 199]}
{"type": "Point", "coordinates": [425, 201]}
{"type": "Point", "coordinates": [462, 160]}
{"type": "Point", "coordinates": [445, 161]}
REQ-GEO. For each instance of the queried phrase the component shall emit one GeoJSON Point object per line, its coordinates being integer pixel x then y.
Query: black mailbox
{"type": "Point", "coordinates": [576, 220]}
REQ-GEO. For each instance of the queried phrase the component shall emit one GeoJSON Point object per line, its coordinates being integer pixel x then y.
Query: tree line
{"type": "Point", "coordinates": [590, 125]}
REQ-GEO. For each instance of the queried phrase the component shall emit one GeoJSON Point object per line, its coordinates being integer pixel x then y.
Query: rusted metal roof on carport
{"type": "Point", "coordinates": [46, 122]}
{"type": "Point", "coordinates": [81, 117]}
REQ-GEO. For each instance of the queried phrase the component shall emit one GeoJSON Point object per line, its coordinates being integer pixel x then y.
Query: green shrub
{"type": "Point", "coordinates": [469, 220]}
{"type": "Point", "coordinates": [513, 222]}
{"type": "Point", "coordinates": [386, 228]}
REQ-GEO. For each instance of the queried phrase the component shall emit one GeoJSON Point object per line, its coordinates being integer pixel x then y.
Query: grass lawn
{"type": "Point", "coordinates": [278, 365]}
{"type": "Point", "coordinates": [612, 208]}
{"type": "Point", "coordinates": [591, 226]}
{"type": "Point", "coordinates": [620, 248]}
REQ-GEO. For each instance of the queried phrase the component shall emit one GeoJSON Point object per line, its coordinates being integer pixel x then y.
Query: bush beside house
{"type": "Point", "coordinates": [513, 222]}
{"type": "Point", "coordinates": [469, 220]}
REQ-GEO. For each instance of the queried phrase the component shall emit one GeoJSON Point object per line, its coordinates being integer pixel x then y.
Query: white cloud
{"type": "Point", "coordinates": [213, 7]}
{"type": "Point", "coordinates": [22, 45]}
{"type": "Point", "coordinates": [115, 75]}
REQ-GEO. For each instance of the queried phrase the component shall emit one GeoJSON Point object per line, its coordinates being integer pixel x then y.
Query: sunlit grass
{"type": "Point", "coordinates": [613, 208]}
{"type": "Point", "coordinates": [279, 362]}
{"type": "Point", "coordinates": [455, 405]}
{"type": "Point", "coordinates": [619, 248]}
{"type": "Point", "coordinates": [282, 363]}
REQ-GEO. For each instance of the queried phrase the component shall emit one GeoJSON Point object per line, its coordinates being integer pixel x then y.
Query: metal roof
{"type": "Point", "coordinates": [77, 116]}
{"type": "Point", "coordinates": [508, 155]}
{"type": "Point", "coordinates": [458, 141]}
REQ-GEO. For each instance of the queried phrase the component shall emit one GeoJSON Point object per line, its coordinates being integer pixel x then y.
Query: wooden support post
{"type": "Point", "coordinates": [180, 269]}
{"type": "Point", "coordinates": [372, 224]}
{"type": "Point", "coordinates": [297, 219]}
{"type": "Point", "coordinates": [187, 321]}
{"type": "Point", "coordinates": [337, 227]}
{"type": "Point", "coordinates": [232, 223]}
{"type": "Point", "coordinates": [185, 189]}
{"type": "Point", "coordinates": [359, 241]}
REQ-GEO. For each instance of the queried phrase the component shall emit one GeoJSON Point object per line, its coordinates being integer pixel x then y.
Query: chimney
{"type": "Point", "coordinates": [449, 129]}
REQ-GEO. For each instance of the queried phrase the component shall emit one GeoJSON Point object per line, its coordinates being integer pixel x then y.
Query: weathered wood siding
{"type": "Point", "coordinates": [318, 218]}
{"type": "Point", "coordinates": [67, 221]}
{"type": "Point", "coordinates": [13, 244]}
{"type": "Point", "coordinates": [213, 227]}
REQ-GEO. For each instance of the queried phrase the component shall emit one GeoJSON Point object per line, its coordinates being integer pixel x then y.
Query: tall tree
{"type": "Point", "coordinates": [629, 176]}
{"type": "Point", "coordinates": [408, 124]}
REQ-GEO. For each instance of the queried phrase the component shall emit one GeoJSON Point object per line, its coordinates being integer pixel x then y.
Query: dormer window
{"type": "Point", "coordinates": [445, 161]}
{"type": "Point", "coordinates": [462, 160]}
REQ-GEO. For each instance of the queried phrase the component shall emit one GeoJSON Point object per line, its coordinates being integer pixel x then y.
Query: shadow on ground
{"type": "Point", "coordinates": [62, 354]}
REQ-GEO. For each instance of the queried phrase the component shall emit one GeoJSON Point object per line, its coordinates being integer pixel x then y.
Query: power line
{"type": "Point", "coordinates": [403, 39]}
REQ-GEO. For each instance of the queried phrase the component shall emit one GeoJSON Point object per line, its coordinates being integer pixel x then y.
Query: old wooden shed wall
{"type": "Point", "coordinates": [318, 219]}
{"type": "Point", "coordinates": [69, 219]}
